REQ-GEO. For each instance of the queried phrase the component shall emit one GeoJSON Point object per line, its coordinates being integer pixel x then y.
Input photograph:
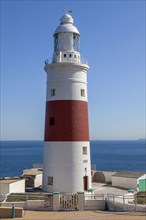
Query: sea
{"type": "Point", "coordinates": [16, 156]}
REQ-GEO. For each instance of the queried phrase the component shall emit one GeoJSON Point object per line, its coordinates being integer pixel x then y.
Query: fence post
{"type": "Point", "coordinates": [13, 210]}
{"type": "Point", "coordinates": [114, 202]}
{"type": "Point", "coordinates": [81, 201]}
{"type": "Point", "coordinates": [135, 200]}
{"type": "Point", "coordinates": [56, 201]}
{"type": "Point", "coordinates": [123, 203]}
{"type": "Point", "coordinates": [105, 204]}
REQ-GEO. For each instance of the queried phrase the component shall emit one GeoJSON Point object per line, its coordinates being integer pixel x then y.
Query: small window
{"type": "Point", "coordinates": [83, 92]}
{"type": "Point", "coordinates": [70, 55]}
{"type": "Point", "coordinates": [65, 55]}
{"type": "Point", "coordinates": [52, 92]}
{"type": "Point", "coordinates": [52, 121]}
{"type": "Point", "coordinates": [85, 161]}
{"type": "Point", "coordinates": [75, 56]}
{"type": "Point", "coordinates": [50, 180]}
{"type": "Point", "coordinates": [84, 150]}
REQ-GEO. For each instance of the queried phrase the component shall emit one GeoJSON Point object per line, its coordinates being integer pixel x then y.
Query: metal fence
{"type": "Point", "coordinates": [133, 202]}
{"type": "Point", "coordinates": [69, 201]}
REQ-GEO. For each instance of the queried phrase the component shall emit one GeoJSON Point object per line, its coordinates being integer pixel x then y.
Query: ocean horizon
{"type": "Point", "coordinates": [106, 155]}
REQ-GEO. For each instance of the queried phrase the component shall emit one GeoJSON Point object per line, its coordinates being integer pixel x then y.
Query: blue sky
{"type": "Point", "coordinates": [113, 41]}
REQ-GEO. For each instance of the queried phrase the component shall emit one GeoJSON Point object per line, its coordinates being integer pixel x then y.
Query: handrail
{"type": "Point", "coordinates": [65, 60]}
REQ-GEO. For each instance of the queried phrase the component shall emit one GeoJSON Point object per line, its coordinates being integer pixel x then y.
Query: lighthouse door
{"type": "Point", "coordinates": [85, 181]}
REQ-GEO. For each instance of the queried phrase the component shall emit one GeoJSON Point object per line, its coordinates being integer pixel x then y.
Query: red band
{"type": "Point", "coordinates": [70, 121]}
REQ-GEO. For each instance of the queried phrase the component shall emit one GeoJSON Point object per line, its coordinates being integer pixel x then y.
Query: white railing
{"type": "Point", "coordinates": [65, 60]}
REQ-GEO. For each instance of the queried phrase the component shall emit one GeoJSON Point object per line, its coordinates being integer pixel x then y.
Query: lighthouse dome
{"type": "Point", "coordinates": [67, 18]}
{"type": "Point", "coordinates": [66, 25]}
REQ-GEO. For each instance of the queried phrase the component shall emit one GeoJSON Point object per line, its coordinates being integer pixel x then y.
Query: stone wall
{"type": "Point", "coordinates": [6, 212]}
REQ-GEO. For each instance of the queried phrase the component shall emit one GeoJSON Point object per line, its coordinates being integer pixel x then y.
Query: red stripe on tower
{"type": "Point", "coordinates": [66, 120]}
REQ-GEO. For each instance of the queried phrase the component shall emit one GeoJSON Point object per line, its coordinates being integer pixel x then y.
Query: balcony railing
{"type": "Point", "coordinates": [66, 60]}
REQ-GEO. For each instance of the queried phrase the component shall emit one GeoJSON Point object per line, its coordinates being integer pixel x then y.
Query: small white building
{"type": "Point", "coordinates": [11, 185]}
{"type": "Point", "coordinates": [33, 177]}
{"type": "Point", "coordinates": [142, 183]}
{"type": "Point", "coordinates": [128, 180]}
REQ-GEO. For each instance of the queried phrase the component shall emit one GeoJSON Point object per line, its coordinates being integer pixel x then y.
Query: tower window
{"type": "Point", "coordinates": [52, 92]}
{"type": "Point", "coordinates": [83, 92]}
{"type": "Point", "coordinates": [52, 121]}
{"type": "Point", "coordinates": [75, 56]}
{"type": "Point", "coordinates": [50, 180]}
{"type": "Point", "coordinates": [65, 55]}
{"type": "Point", "coordinates": [84, 150]}
{"type": "Point", "coordinates": [70, 55]}
{"type": "Point", "coordinates": [85, 161]}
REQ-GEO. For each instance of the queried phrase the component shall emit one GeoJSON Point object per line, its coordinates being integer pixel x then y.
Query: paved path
{"type": "Point", "coordinates": [79, 215]}
{"type": "Point", "coordinates": [102, 188]}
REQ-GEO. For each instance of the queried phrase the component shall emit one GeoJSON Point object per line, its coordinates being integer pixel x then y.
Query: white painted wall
{"type": "Point", "coordinates": [64, 161]}
{"type": "Point", "coordinates": [38, 180]}
{"type": "Point", "coordinates": [143, 177]}
{"type": "Point", "coordinates": [67, 83]}
{"type": "Point", "coordinates": [128, 183]}
{"type": "Point", "coordinates": [18, 187]}
{"type": "Point", "coordinates": [108, 175]}
{"type": "Point", "coordinates": [15, 187]}
{"type": "Point", "coordinates": [4, 189]}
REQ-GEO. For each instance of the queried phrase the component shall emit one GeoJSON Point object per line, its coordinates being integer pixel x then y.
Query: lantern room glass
{"type": "Point", "coordinates": [76, 42]}
{"type": "Point", "coordinates": [56, 43]}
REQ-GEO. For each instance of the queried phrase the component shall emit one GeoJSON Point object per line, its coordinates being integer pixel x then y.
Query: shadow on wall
{"type": "Point", "coordinates": [98, 177]}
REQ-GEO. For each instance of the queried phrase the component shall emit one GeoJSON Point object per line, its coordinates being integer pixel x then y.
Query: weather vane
{"type": "Point", "coordinates": [68, 11]}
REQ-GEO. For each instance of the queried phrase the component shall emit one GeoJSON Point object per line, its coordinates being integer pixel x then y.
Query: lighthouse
{"type": "Point", "coordinates": [66, 162]}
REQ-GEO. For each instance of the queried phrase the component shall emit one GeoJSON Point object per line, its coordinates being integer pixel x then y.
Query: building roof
{"type": "Point", "coordinates": [9, 180]}
{"type": "Point", "coordinates": [31, 172]}
{"type": "Point", "coordinates": [129, 174]}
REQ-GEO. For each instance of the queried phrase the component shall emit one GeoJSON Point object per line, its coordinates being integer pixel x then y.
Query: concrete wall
{"type": "Point", "coordinates": [127, 183]}
{"type": "Point", "coordinates": [38, 180]}
{"type": "Point", "coordinates": [108, 176]}
{"type": "Point", "coordinates": [17, 204]}
{"type": "Point", "coordinates": [4, 189]}
{"type": "Point", "coordinates": [14, 187]}
{"type": "Point", "coordinates": [36, 205]}
{"type": "Point", "coordinates": [6, 212]}
{"type": "Point", "coordinates": [91, 204]}
{"type": "Point", "coordinates": [17, 187]}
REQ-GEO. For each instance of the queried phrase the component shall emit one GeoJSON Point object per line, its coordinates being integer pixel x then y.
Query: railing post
{"type": "Point", "coordinates": [123, 203]}
{"type": "Point", "coordinates": [114, 202]}
{"type": "Point", "coordinates": [13, 210]}
{"type": "Point", "coordinates": [135, 200]}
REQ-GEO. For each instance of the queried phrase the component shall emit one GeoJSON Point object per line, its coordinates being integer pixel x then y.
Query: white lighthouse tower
{"type": "Point", "coordinates": [66, 166]}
